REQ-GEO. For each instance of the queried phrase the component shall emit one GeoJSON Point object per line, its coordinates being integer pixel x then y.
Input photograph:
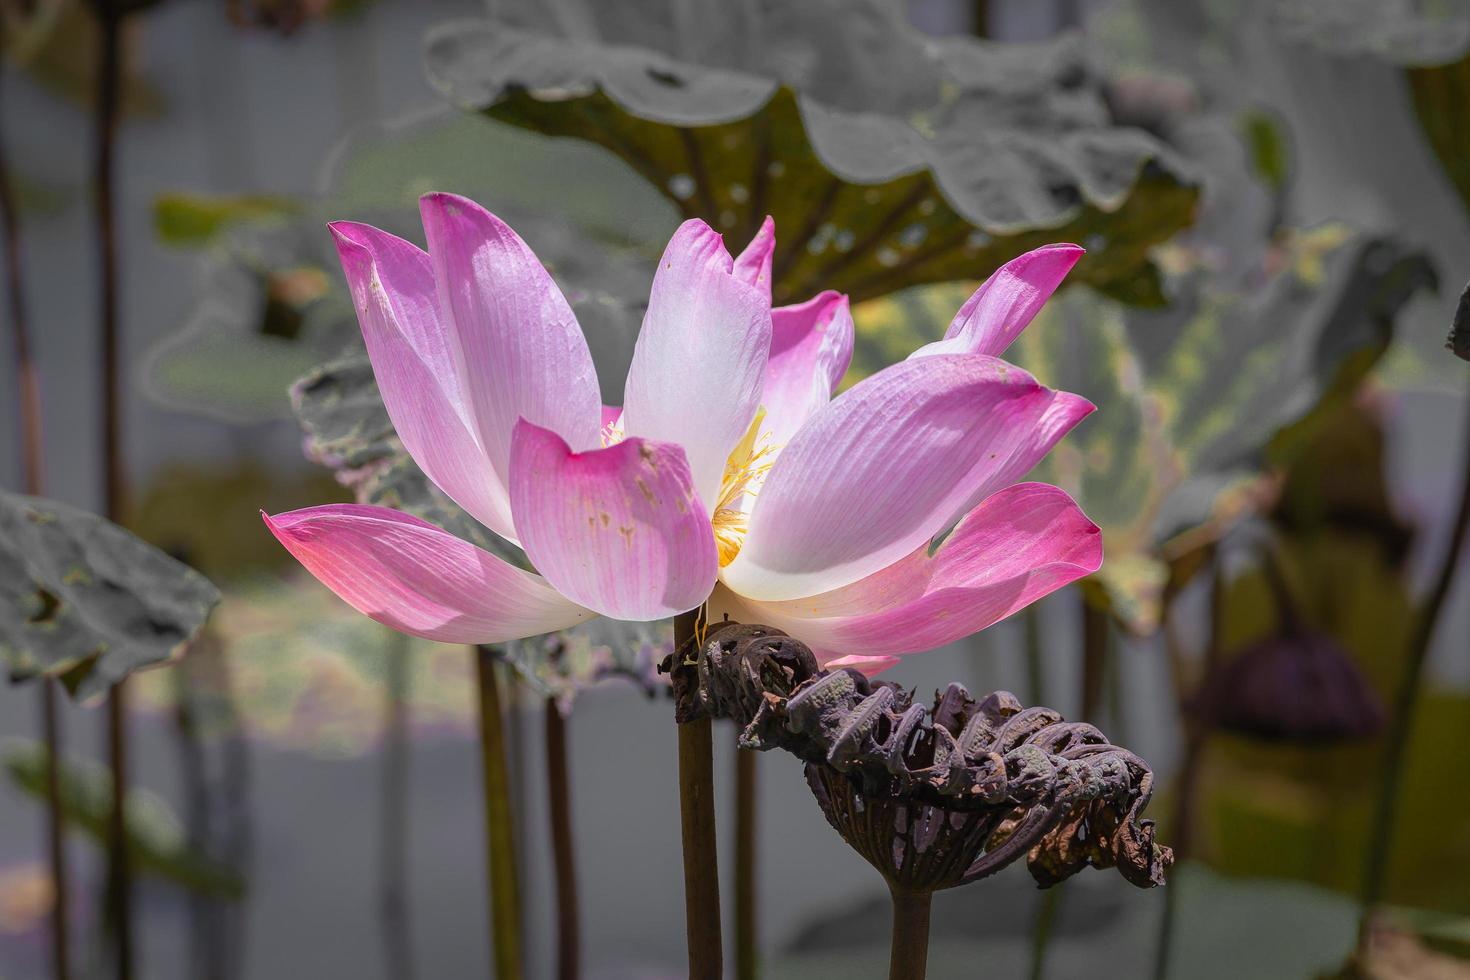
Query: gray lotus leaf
{"type": "Point", "coordinates": [887, 158]}
{"type": "Point", "coordinates": [86, 601]}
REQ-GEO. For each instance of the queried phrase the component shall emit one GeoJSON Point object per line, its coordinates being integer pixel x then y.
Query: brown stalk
{"type": "Point", "coordinates": [563, 852]}
{"type": "Point", "coordinates": [28, 416]}
{"type": "Point", "coordinates": [119, 875]}
{"type": "Point", "coordinates": [747, 944]}
{"type": "Point", "coordinates": [500, 857]}
{"type": "Point", "coordinates": [1385, 815]}
{"type": "Point", "coordinates": [697, 825]}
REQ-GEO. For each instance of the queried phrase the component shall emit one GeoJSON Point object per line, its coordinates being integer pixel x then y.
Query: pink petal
{"type": "Point", "coordinates": [619, 530]}
{"type": "Point", "coordinates": [882, 469]}
{"type": "Point", "coordinates": [811, 347]}
{"type": "Point", "coordinates": [1005, 304]}
{"type": "Point", "coordinates": [408, 574]}
{"type": "Point", "coordinates": [1017, 546]}
{"type": "Point", "coordinates": [392, 285]}
{"type": "Point", "coordinates": [519, 349]}
{"type": "Point", "coordinates": [867, 666]}
{"type": "Point", "coordinates": [696, 374]}
{"type": "Point", "coordinates": [753, 266]}
{"type": "Point", "coordinates": [1060, 417]}
{"type": "Point", "coordinates": [611, 414]}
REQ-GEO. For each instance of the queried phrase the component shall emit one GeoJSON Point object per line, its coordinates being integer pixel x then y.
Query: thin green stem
{"type": "Point", "coordinates": [394, 858]}
{"type": "Point", "coordinates": [203, 956]}
{"type": "Point", "coordinates": [28, 417]}
{"type": "Point", "coordinates": [55, 830]}
{"type": "Point", "coordinates": [27, 375]}
{"type": "Point", "coordinates": [697, 825]}
{"type": "Point", "coordinates": [104, 190]}
{"type": "Point", "coordinates": [1094, 658]}
{"type": "Point", "coordinates": [908, 954]}
{"type": "Point", "coordinates": [119, 865]}
{"type": "Point", "coordinates": [1163, 951]}
{"type": "Point", "coordinates": [119, 873]}
{"type": "Point", "coordinates": [563, 851]}
{"type": "Point", "coordinates": [1196, 733]}
{"type": "Point", "coordinates": [980, 18]}
{"type": "Point", "coordinates": [1094, 640]}
{"type": "Point", "coordinates": [1391, 781]}
{"type": "Point", "coordinates": [747, 945]}
{"type": "Point", "coordinates": [1046, 917]}
{"type": "Point", "coordinates": [1032, 645]}
{"type": "Point", "coordinates": [505, 902]}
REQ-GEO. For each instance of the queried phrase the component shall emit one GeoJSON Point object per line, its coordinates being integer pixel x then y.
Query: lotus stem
{"type": "Point", "coordinates": [1033, 649]}
{"type": "Point", "coordinates": [697, 823]}
{"type": "Point", "coordinates": [1196, 733]}
{"type": "Point", "coordinates": [747, 944]}
{"type": "Point", "coordinates": [1046, 912]}
{"type": "Point", "coordinates": [516, 740]}
{"type": "Point", "coordinates": [908, 954]}
{"type": "Point", "coordinates": [505, 903]}
{"type": "Point", "coordinates": [105, 137]}
{"type": "Point", "coordinates": [1094, 645]}
{"type": "Point", "coordinates": [205, 955]}
{"type": "Point", "coordinates": [1046, 917]}
{"type": "Point", "coordinates": [980, 18]}
{"type": "Point", "coordinates": [1405, 706]}
{"type": "Point", "coordinates": [393, 885]}
{"type": "Point", "coordinates": [119, 872]}
{"type": "Point", "coordinates": [563, 852]}
{"type": "Point", "coordinates": [27, 381]}
{"type": "Point", "coordinates": [28, 416]}
{"type": "Point", "coordinates": [55, 830]}
{"type": "Point", "coordinates": [119, 883]}
{"type": "Point", "coordinates": [1094, 659]}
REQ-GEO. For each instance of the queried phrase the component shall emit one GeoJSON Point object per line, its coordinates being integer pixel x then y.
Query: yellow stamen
{"type": "Point", "coordinates": [612, 432]}
{"type": "Point", "coordinates": [745, 471]}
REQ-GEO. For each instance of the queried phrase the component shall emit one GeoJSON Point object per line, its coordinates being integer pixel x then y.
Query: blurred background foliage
{"type": "Point", "coordinates": [1273, 198]}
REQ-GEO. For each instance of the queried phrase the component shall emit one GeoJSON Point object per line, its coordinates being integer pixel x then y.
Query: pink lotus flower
{"type": "Point", "coordinates": [728, 476]}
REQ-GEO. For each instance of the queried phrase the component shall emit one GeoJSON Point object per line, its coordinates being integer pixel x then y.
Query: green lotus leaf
{"type": "Point", "coordinates": [56, 42]}
{"type": "Point", "coordinates": [272, 303]}
{"type": "Point", "coordinates": [1300, 804]}
{"type": "Point", "coordinates": [348, 430]}
{"type": "Point", "coordinates": [1405, 32]}
{"type": "Point", "coordinates": [1439, 93]}
{"type": "Point", "coordinates": [307, 673]}
{"type": "Point", "coordinates": [1459, 340]}
{"type": "Point", "coordinates": [1193, 399]}
{"type": "Point", "coordinates": [887, 159]}
{"type": "Point", "coordinates": [380, 173]}
{"type": "Point", "coordinates": [270, 306]}
{"type": "Point", "coordinates": [84, 600]}
{"type": "Point", "coordinates": [184, 219]}
{"type": "Point", "coordinates": [1442, 931]}
{"type": "Point", "coordinates": [156, 840]}
{"type": "Point", "coordinates": [208, 514]}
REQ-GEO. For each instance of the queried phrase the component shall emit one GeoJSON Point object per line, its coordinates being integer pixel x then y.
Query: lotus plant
{"type": "Point", "coordinates": [729, 476]}
{"type": "Point", "coordinates": [883, 522]}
